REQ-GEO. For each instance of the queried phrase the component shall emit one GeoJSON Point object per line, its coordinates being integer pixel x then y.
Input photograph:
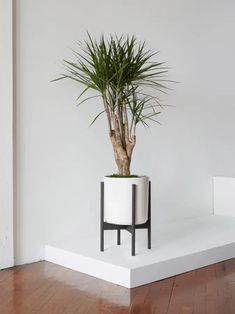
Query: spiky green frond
{"type": "Point", "coordinates": [119, 68]}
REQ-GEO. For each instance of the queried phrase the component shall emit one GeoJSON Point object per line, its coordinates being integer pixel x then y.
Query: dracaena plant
{"type": "Point", "coordinates": [122, 72]}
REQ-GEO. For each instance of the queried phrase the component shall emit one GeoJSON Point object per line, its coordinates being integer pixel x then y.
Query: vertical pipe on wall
{"type": "Point", "coordinates": [6, 135]}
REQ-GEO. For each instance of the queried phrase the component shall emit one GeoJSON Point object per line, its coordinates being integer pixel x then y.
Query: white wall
{"type": "Point", "coordinates": [60, 161]}
{"type": "Point", "coordinates": [6, 133]}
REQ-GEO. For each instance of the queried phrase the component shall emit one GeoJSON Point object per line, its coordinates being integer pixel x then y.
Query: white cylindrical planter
{"type": "Point", "coordinates": [118, 200]}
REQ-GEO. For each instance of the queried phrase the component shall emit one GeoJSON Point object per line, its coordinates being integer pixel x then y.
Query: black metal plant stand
{"type": "Point", "coordinates": [130, 228]}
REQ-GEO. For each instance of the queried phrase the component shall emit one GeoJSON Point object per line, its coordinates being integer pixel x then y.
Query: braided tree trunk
{"type": "Point", "coordinates": [122, 135]}
{"type": "Point", "coordinates": [122, 152]}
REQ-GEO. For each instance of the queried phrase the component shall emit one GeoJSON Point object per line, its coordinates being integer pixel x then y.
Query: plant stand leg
{"type": "Point", "coordinates": [102, 216]}
{"type": "Point", "coordinates": [118, 236]}
{"type": "Point", "coordinates": [133, 219]}
{"type": "Point", "coordinates": [149, 216]}
{"type": "Point", "coordinates": [149, 237]}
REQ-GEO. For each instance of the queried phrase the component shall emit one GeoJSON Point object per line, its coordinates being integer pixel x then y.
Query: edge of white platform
{"type": "Point", "coordinates": [88, 265]}
{"type": "Point", "coordinates": [168, 268]}
{"type": "Point", "coordinates": [138, 276]}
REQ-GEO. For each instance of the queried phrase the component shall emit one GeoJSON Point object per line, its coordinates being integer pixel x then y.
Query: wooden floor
{"type": "Point", "coordinates": [50, 289]}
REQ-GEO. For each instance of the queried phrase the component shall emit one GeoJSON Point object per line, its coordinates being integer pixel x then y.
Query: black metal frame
{"type": "Point", "coordinates": [130, 228]}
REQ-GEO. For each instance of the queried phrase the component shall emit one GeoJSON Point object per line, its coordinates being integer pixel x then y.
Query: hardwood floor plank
{"type": "Point", "coordinates": [212, 295]}
{"type": "Point", "coordinates": [5, 274]}
{"type": "Point", "coordinates": [159, 294]}
{"type": "Point", "coordinates": [229, 279]}
{"type": "Point", "coordinates": [46, 288]}
{"type": "Point", "coordinates": [138, 298]}
{"type": "Point", "coordinates": [199, 302]}
{"type": "Point", "coordinates": [181, 301]}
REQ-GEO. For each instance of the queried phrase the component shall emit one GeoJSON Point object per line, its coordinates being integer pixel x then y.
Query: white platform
{"type": "Point", "coordinates": [176, 248]}
{"type": "Point", "coordinates": [224, 196]}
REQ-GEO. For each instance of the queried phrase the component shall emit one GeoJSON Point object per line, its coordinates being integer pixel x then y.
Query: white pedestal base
{"type": "Point", "coordinates": [176, 248]}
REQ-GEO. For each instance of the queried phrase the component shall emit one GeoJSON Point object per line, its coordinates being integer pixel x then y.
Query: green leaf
{"type": "Point", "coordinates": [123, 71]}
{"type": "Point", "coordinates": [96, 117]}
{"type": "Point", "coordinates": [84, 100]}
{"type": "Point", "coordinates": [83, 92]}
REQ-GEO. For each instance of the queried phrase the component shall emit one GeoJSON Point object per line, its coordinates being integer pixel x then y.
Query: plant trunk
{"type": "Point", "coordinates": [122, 155]}
{"type": "Point", "coordinates": [122, 160]}
{"type": "Point", "coordinates": [123, 166]}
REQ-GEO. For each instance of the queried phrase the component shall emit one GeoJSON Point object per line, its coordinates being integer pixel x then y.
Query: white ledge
{"type": "Point", "coordinates": [176, 248]}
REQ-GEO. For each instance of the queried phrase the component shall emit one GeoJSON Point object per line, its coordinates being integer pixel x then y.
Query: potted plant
{"type": "Point", "coordinates": [121, 71]}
